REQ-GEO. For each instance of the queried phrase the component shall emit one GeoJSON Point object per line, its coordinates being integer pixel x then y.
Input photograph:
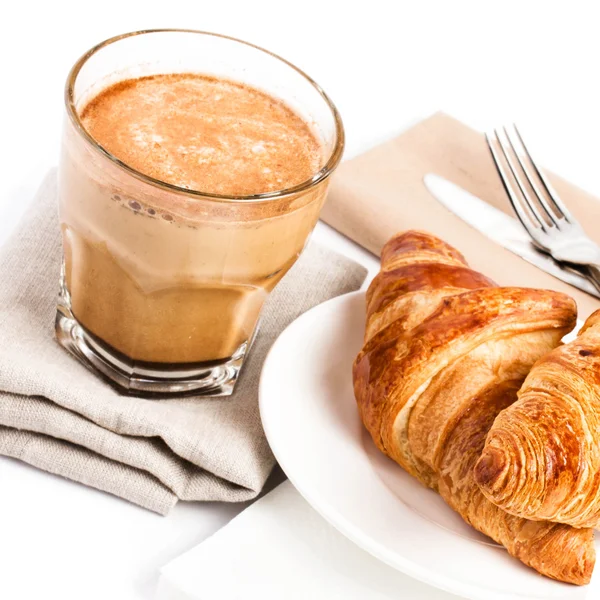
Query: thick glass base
{"type": "Point", "coordinates": [134, 377]}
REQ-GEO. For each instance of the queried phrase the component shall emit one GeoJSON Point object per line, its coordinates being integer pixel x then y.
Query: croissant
{"type": "Point", "coordinates": [542, 455]}
{"type": "Point", "coordinates": [445, 351]}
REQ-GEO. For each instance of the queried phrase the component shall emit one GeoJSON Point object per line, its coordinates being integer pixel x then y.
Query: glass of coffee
{"type": "Point", "coordinates": [192, 172]}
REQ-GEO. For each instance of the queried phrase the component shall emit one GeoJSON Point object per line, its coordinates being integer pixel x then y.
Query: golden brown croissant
{"type": "Point", "coordinates": [542, 456]}
{"type": "Point", "coordinates": [445, 351]}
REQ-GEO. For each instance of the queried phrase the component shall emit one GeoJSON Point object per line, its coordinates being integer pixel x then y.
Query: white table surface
{"type": "Point", "coordinates": [385, 64]}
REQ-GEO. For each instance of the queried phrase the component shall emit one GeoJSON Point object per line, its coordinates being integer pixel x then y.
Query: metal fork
{"type": "Point", "coordinates": [552, 228]}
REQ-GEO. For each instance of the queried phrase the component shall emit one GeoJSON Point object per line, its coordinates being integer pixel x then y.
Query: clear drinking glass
{"type": "Point", "coordinates": [162, 287]}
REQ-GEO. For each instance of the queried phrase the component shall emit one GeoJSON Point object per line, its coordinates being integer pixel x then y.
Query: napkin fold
{"type": "Point", "coordinates": [279, 548]}
{"type": "Point", "coordinates": [381, 192]}
{"type": "Point", "coordinates": [59, 417]}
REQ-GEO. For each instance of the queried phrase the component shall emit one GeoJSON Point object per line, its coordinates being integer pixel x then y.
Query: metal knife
{"type": "Point", "coordinates": [502, 229]}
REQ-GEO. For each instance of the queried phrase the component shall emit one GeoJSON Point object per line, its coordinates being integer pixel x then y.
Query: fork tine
{"type": "Point", "coordinates": [524, 193]}
{"type": "Point", "coordinates": [512, 196]}
{"type": "Point", "coordinates": [536, 190]}
{"type": "Point", "coordinates": [547, 185]}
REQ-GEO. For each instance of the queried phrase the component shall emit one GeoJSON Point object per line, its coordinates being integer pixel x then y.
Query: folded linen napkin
{"type": "Point", "coordinates": [59, 417]}
{"type": "Point", "coordinates": [282, 548]}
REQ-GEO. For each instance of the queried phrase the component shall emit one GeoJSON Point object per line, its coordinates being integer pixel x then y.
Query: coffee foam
{"type": "Point", "coordinates": [205, 134]}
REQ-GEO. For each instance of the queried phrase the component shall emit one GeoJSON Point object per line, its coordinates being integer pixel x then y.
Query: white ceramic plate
{"type": "Point", "coordinates": [312, 424]}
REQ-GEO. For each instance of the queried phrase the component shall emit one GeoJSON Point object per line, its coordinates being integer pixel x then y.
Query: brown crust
{"type": "Point", "coordinates": [457, 325]}
{"type": "Point", "coordinates": [415, 242]}
{"type": "Point", "coordinates": [388, 285]}
{"type": "Point", "coordinates": [542, 455]}
{"type": "Point", "coordinates": [445, 351]}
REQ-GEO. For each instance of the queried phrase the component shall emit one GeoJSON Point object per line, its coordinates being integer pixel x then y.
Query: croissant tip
{"type": "Point", "coordinates": [583, 571]}
{"type": "Point", "coordinates": [489, 468]}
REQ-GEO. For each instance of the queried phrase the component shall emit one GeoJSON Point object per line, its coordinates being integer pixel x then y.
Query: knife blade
{"type": "Point", "coordinates": [502, 229]}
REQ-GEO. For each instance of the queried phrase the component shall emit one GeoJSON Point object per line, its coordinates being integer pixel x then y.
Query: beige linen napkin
{"type": "Point", "coordinates": [59, 417]}
{"type": "Point", "coordinates": [382, 192]}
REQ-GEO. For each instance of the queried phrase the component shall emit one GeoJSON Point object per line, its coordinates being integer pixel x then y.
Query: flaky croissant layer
{"type": "Point", "coordinates": [445, 351]}
{"type": "Point", "coordinates": [542, 455]}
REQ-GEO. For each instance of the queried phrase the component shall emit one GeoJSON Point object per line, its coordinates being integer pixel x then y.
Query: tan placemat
{"type": "Point", "coordinates": [381, 192]}
{"type": "Point", "coordinates": [58, 416]}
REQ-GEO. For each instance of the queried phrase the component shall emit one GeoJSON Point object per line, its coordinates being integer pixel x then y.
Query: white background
{"type": "Point", "coordinates": [384, 64]}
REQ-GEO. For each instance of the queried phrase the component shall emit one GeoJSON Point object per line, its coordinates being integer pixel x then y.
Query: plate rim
{"type": "Point", "coordinates": [342, 524]}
